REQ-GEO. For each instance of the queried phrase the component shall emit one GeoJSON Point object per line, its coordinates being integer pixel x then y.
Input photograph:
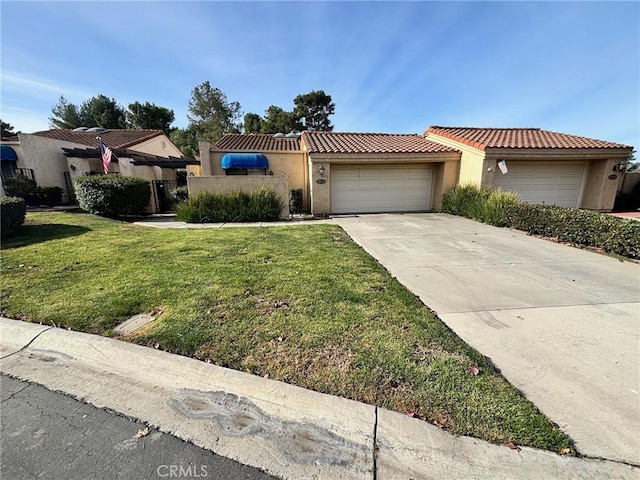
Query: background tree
{"type": "Point", "coordinates": [103, 112]}
{"type": "Point", "coordinates": [315, 108]}
{"type": "Point", "coordinates": [149, 116]}
{"type": "Point", "coordinates": [252, 123]}
{"type": "Point", "coordinates": [211, 115]}
{"type": "Point", "coordinates": [278, 120]}
{"type": "Point", "coordinates": [6, 129]}
{"type": "Point", "coordinates": [186, 140]}
{"type": "Point", "coordinates": [65, 115]}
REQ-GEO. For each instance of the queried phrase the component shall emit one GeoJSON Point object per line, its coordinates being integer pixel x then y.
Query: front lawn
{"type": "Point", "coordinates": [301, 304]}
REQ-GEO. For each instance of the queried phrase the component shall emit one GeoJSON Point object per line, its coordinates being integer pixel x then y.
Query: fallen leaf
{"type": "Point", "coordinates": [411, 414]}
{"type": "Point", "coordinates": [156, 346]}
{"type": "Point", "coordinates": [566, 451]}
{"type": "Point", "coordinates": [513, 446]}
{"type": "Point", "coordinates": [475, 371]}
{"type": "Point", "coordinates": [143, 432]}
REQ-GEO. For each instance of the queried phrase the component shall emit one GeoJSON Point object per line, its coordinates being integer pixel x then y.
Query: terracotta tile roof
{"type": "Point", "coordinates": [111, 138]}
{"type": "Point", "coordinates": [343, 142]}
{"type": "Point", "coordinates": [517, 138]}
{"type": "Point", "coordinates": [257, 142]}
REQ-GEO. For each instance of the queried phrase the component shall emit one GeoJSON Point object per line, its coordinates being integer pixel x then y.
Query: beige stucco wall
{"type": "Point", "coordinates": [291, 165]}
{"type": "Point", "coordinates": [245, 183]}
{"type": "Point", "coordinates": [160, 145]}
{"type": "Point", "coordinates": [599, 190]}
{"type": "Point", "coordinates": [445, 173]}
{"type": "Point", "coordinates": [471, 160]}
{"type": "Point", "coordinates": [46, 158]}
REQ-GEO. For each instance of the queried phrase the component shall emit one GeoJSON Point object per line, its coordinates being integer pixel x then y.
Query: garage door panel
{"type": "Point", "coordinates": [543, 183]}
{"type": "Point", "coordinates": [369, 189]}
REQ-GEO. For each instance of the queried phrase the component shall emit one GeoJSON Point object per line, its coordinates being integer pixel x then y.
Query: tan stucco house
{"type": "Point", "coordinates": [342, 173]}
{"type": "Point", "coordinates": [542, 166]}
{"type": "Point", "coordinates": [54, 157]}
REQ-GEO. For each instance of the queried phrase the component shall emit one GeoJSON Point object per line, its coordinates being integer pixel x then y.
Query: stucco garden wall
{"type": "Point", "coordinates": [245, 183]}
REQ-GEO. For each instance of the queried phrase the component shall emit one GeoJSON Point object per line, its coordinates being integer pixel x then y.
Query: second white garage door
{"type": "Point", "coordinates": [387, 188]}
{"type": "Point", "coordinates": [546, 183]}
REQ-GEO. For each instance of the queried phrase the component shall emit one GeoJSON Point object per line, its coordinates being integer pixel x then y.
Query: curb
{"type": "Point", "coordinates": [285, 430]}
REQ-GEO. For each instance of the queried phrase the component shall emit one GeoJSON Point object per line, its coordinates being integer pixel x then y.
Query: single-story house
{"type": "Point", "coordinates": [543, 167]}
{"type": "Point", "coordinates": [344, 173]}
{"type": "Point", "coordinates": [54, 157]}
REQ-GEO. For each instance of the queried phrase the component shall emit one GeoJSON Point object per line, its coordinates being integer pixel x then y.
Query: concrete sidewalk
{"type": "Point", "coordinates": [168, 220]}
{"type": "Point", "coordinates": [284, 430]}
{"type": "Point", "coordinates": [562, 324]}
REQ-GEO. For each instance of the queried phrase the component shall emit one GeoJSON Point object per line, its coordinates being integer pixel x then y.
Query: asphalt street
{"type": "Point", "coordinates": [49, 435]}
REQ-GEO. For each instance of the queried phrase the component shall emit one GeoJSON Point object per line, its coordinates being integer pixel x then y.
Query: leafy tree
{"type": "Point", "coordinates": [186, 140]}
{"type": "Point", "coordinates": [315, 108]}
{"type": "Point", "coordinates": [103, 112]}
{"type": "Point", "coordinates": [65, 115]}
{"type": "Point", "coordinates": [211, 115]}
{"type": "Point", "coordinates": [252, 123]}
{"type": "Point", "coordinates": [99, 111]}
{"type": "Point", "coordinates": [278, 120]}
{"type": "Point", "coordinates": [149, 116]}
{"type": "Point", "coordinates": [6, 129]}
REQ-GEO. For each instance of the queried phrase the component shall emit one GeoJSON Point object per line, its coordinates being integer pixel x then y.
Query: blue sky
{"type": "Point", "coordinates": [390, 67]}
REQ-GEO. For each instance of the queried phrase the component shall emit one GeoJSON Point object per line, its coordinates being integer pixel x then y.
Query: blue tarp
{"type": "Point", "coordinates": [8, 153]}
{"type": "Point", "coordinates": [244, 160]}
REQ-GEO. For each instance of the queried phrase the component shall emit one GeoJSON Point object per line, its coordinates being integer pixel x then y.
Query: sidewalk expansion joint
{"type": "Point", "coordinates": [375, 445]}
{"type": "Point", "coordinates": [28, 344]}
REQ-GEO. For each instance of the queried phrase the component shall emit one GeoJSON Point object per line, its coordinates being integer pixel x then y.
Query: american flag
{"type": "Point", "coordinates": [106, 156]}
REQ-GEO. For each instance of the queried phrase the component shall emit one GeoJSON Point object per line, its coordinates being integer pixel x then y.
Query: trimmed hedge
{"type": "Point", "coordinates": [12, 213]}
{"type": "Point", "coordinates": [113, 195]}
{"type": "Point", "coordinates": [50, 195]}
{"type": "Point", "coordinates": [262, 205]}
{"type": "Point", "coordinates": [613, 234]}
{"type": "Point", "coordinates": [23, 187]}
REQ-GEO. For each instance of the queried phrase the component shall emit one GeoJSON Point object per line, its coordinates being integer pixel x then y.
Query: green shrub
{"type": "Point", "coordinates": [12, 214]}
{"type": "Point", "coordinates": [50, 195]}
{"type": "Point", "coordinates": [23, 187]}
{"type": "Point", "coordinates": [113, 195]}
{"type": "Point", "coordinates": [484, 205]}
{"type": "Point", "coordinates": [582, 227]}
{"type": "Point", "coordinates": [295, 200]}
{"type": "Point", "coordinates": [262, 205]}
{"type": "Point", "coordinates": [179, 194]}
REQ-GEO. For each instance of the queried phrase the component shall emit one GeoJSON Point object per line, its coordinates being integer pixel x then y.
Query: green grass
{"type": "Point", "coordinates": [301, 304]}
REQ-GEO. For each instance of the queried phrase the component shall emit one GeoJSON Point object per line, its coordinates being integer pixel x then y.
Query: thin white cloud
{"type": "Point", "coordinates": [31, 86]}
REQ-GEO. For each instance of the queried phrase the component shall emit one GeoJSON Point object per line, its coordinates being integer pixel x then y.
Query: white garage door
{"type": "Point", "coordinates": [545, 183]}
{"type": "Point", "coordinates": [380, 188]}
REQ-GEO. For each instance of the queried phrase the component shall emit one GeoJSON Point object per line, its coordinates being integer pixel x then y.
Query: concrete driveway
{"type": "Point", "coordinates": [562, 324]}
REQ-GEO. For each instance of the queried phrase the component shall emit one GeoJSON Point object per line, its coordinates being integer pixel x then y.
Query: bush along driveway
{"type": "Point", "coordinates": [304, 305]}
{"type": "Point", "coordinates": [560, 323]}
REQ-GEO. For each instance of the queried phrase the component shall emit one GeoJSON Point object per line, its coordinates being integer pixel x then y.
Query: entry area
{"type": "Point", "coordinates": [548, 183]}
{"type": "Point", "coordinates": [381, 188]}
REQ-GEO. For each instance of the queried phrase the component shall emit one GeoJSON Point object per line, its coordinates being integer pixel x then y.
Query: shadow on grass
{"type": "Point", "coordinates": [32, 234]}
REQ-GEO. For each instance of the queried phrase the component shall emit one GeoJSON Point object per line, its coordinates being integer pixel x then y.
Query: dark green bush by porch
{"type": "Point", "coordinates": [262, 205]}
{"type": "Point", "coordinates": [295, 200]}
{"type": "Point", "coordinates": [50, 195]}
{"type": "Point", "coordinates": [484, 205]}
{"type": "Point", "coordinates": [113, 195]}
{"type": "Point", "coordinates": [23, 187]}
{"type": "Point", "coordinates": [12, 214]}
{"type": "Point", "coordinates": [592, 229]}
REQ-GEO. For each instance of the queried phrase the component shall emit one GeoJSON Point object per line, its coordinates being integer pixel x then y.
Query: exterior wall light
{"type": "Point", "coordinates": [321, 170]}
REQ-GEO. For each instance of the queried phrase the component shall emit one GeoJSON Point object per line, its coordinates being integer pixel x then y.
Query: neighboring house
{"type": "Point", "coordinates": [379, 172]}
{"type": "Point", "coordinates": [543, 167]}
{"type": "Point", "coordinates": [55, 157]}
